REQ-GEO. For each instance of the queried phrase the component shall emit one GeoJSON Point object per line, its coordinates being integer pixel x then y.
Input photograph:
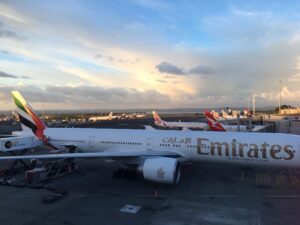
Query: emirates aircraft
{"type": "Point", "coordinates": [158, 154]}
{"type": "Point", "coordinates": [185, 125]}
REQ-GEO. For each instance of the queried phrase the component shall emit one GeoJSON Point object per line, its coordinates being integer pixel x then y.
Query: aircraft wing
{"type": "Point", "coordinates": [106, 154]}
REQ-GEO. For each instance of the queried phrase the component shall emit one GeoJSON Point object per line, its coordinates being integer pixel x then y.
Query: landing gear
{"type": "Point", "coordinates": [125, 174]}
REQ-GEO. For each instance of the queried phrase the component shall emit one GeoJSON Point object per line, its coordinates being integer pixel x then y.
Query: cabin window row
{"type": "Point", "coordinates": [165, 145]}
{"type": "Point", "coordinates": [60, 140]}
{"type": "Point", "coordinates": [120, 143]}
{"type": "Point", "coordinates": [197, 146]}
{"type": "Point", "coordinates": [168, 145]}
{"type": "Point", "coordinates": [178, 146]}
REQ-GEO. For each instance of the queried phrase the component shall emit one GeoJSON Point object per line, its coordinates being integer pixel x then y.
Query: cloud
{"type": "Point", "coordinates": [287, 96]}
{"type": "Point", "coordinates": [170, 77]}
{"type": "Point", "coordinates": [112, 59]}
{"type": "Point", "coordinates": [7, 75]}
{"type": "Point", "coordinates": [247, 49]}
{"type": "Point", "coordinates": [4, 52]}
{"type": "Point", "coordinates": [9, 34]}
{"type": "Point", "coordinates": [86, 97]}
{"type": "Point", "coordinates": [294, 78]}
{"type": "Point", "coordinates": [201, 70]}
{"type": "Point", "coordinates": [165, 67]}
{"type": "Point", "coordinates": [105, 57]}
{"type": "Point", "coordinates": [10, 13]}
{"type": "Point", "coordinates": [248, 13]}
{"type": "Point", "coordinates": [4, 33]}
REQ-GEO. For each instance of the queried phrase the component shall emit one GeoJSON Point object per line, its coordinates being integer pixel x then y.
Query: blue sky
{"type": "Point", "coordinates": [77, 54]}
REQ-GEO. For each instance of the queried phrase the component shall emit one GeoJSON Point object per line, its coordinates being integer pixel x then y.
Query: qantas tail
{"type": "Point", "coordinates": [157, 120]}
{"type": "Point", "coordinates": [212, 123]}
{"type": "Point", "coordinates": [28, 118]}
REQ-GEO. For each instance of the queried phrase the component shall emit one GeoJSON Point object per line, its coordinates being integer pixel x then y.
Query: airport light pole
{"type": "Point", "coordinates": [253, 103]}
{"type": "Point", "coordinates": [248, 105]}
{"type": "Point", "coordinates": [279, 107]}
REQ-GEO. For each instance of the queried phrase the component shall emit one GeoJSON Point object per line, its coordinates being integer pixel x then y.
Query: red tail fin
{"type": "Point", "coordinates": [212, 123]}
{"type": "Point", "coordinates": [157, 120]}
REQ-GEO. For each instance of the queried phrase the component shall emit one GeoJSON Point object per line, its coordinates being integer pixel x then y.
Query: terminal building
{"type": "Point", "coordinates": [290, 111]}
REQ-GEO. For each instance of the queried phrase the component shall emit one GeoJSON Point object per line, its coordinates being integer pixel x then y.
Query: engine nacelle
{"type": "Point", "coordinates": [162, 170]}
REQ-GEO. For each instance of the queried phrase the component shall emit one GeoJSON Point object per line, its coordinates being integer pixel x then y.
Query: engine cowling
{"type": "Point", "coordinates": [8, 144]}
{"type": "Point", "coordinates": [162, 170]}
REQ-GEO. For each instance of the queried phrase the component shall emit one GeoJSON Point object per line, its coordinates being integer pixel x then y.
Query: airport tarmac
{"type": "Point", "coordinates": [206, 194]}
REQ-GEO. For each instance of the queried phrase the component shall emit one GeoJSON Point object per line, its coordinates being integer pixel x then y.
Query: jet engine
{"type": "Point", "coordinates": [161, 170]}
{"type": "Point", "coordinates": [8, 144]}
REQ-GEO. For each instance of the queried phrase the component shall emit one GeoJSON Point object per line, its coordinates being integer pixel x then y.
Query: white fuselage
{"type": "Point", "coordinates": [96, 118]}
{"type": "Point", "coordinates": [243, 128]}
{"type": "Point", "coordinates": [232, 147]}
{"type": "Point", "coordinates": [195, 125]}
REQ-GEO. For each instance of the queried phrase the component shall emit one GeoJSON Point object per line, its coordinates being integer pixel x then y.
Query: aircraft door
{"type": "Point", "coordinates": [91, 142]}
{"type": "Point", "coordinates": [149, 144]}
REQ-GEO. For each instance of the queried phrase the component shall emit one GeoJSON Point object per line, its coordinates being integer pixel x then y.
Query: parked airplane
{"type": "Point", "coordinates": [186, 125]}
{"type": "Point", "coordinates": [217, 116]}
{"type": "Point", "coordinates": [214, 125]}
{"type": "Point", "coordinates": [108, 117]}
{"type": "Point", "coordinates": [233, 115]}
{"type": "Point", "coordinates": [157, 154]}
{"type": "Point", "coordinates": [223, 117]}
{"type": "Point", "coordinates": [136, 116]}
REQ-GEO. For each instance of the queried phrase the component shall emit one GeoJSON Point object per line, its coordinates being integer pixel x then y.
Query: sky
{"type": "Point", "coordinates": [134, 54]}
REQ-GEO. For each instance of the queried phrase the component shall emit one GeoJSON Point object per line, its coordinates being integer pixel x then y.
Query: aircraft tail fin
{"type": "Point", "coordinates": [110, 116]}
{"type": "Point", "coordinates": [28, 118]}
{"type": "Point", "coordinates": [212, 123]}
{"type": "Point", "coordinates": [215, 115]}
{"type": "Point", "coordinates": [224, 114]}
{"type": "Point", "coordinates": [157, 120]}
